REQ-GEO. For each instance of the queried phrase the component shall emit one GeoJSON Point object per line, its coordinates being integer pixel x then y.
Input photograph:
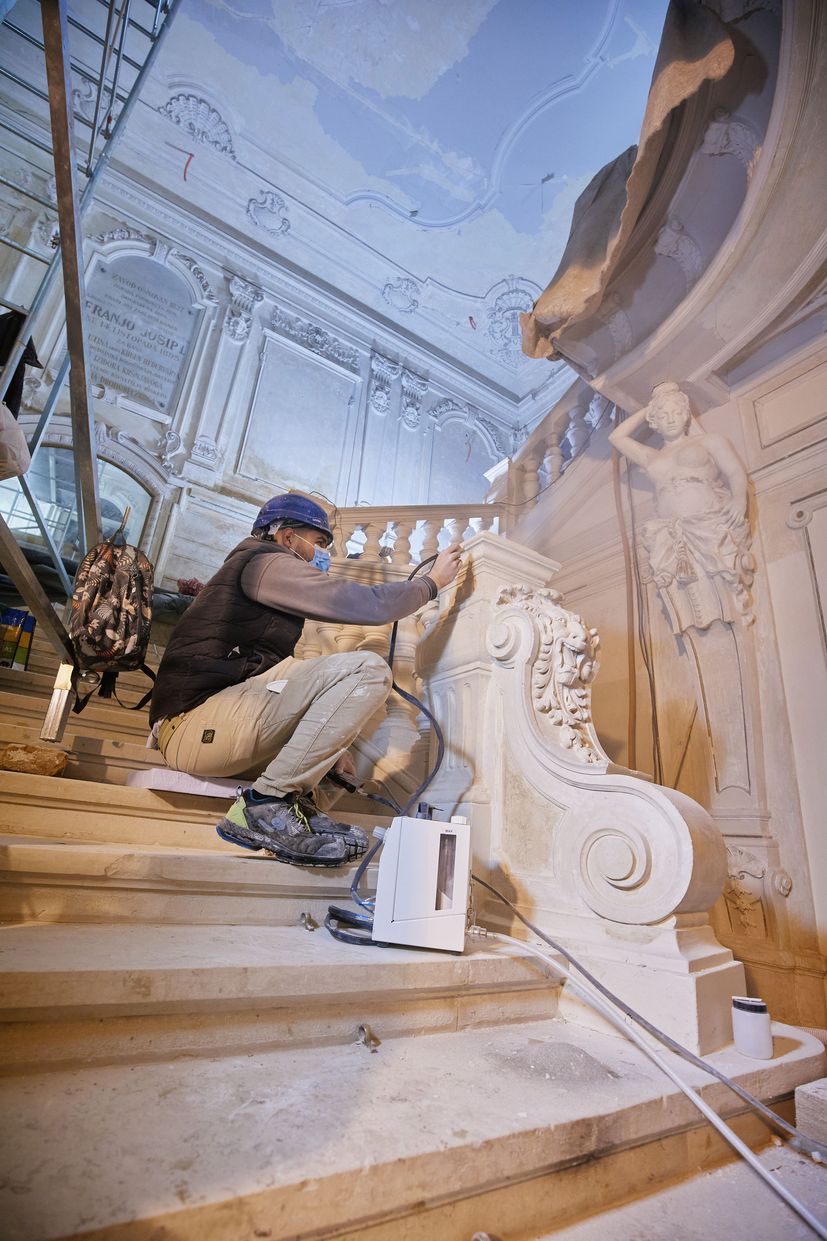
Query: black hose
{"type": "Point", "coordinates": [333, 915]}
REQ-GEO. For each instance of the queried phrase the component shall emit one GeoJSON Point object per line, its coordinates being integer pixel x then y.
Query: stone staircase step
{"type": "Point", "coordinates": [63, 809]}
{"type": "Point", "coordinates": [77, 881]}
{"type": "Point", "coordinates": [108, 761]}
{"type": "Point", "coordinates": [55, 808]}
{"type": "Point", "coordinates": [25, 704]}
{"type": "Point", "coordinates": [729, 1202]}
{"type": "Point", "coordinates": [98, 995]}
{"type": "Point", "coordinates": [512, 1130]}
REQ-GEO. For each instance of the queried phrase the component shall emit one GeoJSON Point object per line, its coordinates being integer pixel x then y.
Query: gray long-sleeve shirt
{"type": "Point", "coordinates": [291, 585]}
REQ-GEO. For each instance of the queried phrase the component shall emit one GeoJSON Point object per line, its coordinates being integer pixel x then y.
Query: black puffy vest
{"type": "Point", "coordinates": [223, 638]}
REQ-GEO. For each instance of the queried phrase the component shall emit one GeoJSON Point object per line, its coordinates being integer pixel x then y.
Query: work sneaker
{"type": "Point", "coordinates": [276, 826]}
{"type": "Point", "coordinates": [318, 821]}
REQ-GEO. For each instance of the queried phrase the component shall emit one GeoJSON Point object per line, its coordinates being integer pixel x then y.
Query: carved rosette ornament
{"type": "Point", "coordinates": [565, 666]}
{"type": "Point", "coordinates": [244, 299]}
{"type": "Point", "coordinates": [382, 374]}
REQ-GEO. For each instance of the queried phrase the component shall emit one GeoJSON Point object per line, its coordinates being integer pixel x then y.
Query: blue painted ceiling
{"type": "Point", "coordinates": [448, 112]}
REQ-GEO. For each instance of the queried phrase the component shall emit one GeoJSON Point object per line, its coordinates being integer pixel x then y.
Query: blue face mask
{"type": "Point", "coordinates": [321, 558]}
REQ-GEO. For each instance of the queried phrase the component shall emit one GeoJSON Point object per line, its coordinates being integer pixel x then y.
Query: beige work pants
{"type": "Point", "coordinates": [296, 735]}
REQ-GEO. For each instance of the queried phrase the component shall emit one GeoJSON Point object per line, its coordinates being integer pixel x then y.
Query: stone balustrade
{"type": "Point", "coordinates": [550, 448]}
{"type": "Point", "coordinates": [405, 534]}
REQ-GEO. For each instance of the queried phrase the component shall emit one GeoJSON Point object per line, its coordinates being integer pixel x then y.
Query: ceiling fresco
{"type": "Point", "coordinates": [448, 139]}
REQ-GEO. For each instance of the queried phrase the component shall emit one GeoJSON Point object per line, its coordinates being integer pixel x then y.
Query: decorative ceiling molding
{"type": "Point", "coordinates": [269, 213]}
{"type": "Point", "coordinates": [314, 338]}
{"type": "Point", "coordinates": [674, 242]}
{"type": "Point", "coordinates": [201, 120]}
{"type": "Point", "coordinates": [515, 297]}
{"type": "Point", "coordinates": [187, 261]}
{"type": "Point", "coordinates": [727, 135]}
{"type": "Point", "coordinates": [119, 234]}
{"type": "Point", "coordinates": [383, 371]}
{"type": "Point", "coordinates": [402, 294]}
{"type": "Point", "coordinates": [449, 409]}
{"type": "Point", "coordinates": [414, 388]}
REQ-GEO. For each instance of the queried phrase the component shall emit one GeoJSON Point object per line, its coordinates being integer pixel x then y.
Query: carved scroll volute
{"type": "Point", "coordinates": [639, 860]}
{"type": "Point", "coordinates": [633, 852]}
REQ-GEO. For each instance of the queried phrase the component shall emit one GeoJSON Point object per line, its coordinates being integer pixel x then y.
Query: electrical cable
{"type": "Point", "coordinates": [644, 636]}
{"type": "Point", "coordinates": [586, 993]}
{"type": "Point", "coordinates": [631, 722]}
{"type": "Point", "coordinates": [799, 1141]}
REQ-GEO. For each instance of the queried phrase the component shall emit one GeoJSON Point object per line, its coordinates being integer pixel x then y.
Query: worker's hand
{"type": "Point", "coordinates": [345, 767]}
{"type": "Point", "coordinates": [446, 566]}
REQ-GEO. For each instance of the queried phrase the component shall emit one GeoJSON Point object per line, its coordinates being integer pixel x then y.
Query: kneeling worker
{"type": "Point", "coordinates": [230, 699]}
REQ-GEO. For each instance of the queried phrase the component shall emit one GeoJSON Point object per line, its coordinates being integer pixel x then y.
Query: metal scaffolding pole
{"type": "Point", "coordinates": [56, 41]}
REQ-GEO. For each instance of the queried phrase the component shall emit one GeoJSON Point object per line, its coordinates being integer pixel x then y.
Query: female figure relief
{"type": "Point", "coordinates": [698, 546]}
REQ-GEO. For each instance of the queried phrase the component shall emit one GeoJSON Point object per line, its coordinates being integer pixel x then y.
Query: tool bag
{"type": "Point", "coordinates": [111, 614]}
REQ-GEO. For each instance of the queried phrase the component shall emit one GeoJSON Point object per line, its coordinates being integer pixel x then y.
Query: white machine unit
{"type": "Point", "coordinates": [423, 884]}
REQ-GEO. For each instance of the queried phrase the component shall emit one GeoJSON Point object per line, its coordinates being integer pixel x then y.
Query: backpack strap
{"type": "Point", "coordinates": [140, 705]}
{"type": "Point", "coordinates": [106, 689]}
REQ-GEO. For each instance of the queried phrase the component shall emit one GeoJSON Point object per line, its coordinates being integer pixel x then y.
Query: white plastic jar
{"type": "Point", "coordinates": [751, 1029]}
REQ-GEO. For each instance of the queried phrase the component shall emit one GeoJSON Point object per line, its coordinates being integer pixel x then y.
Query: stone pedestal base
{"type": "Point", "coordinates": [694, 1009]}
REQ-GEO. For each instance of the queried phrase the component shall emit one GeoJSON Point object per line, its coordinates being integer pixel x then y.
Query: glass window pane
{"type": "Point", "coordinates": [52, 482]}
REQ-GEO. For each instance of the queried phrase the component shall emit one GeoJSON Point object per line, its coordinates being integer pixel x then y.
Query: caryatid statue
{"type": "Point", "coordinates": [698, 546]}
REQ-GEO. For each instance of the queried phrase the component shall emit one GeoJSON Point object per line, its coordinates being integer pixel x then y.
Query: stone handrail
{"type": "Point", "coordinates": [405, 534]}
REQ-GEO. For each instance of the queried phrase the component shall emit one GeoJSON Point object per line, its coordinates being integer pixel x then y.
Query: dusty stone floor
{"type": "Point", "coordinates": [730, 1203]}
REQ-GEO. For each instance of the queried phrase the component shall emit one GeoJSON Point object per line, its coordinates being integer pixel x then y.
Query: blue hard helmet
{"type": "Point", "coordinates": [294, 508]}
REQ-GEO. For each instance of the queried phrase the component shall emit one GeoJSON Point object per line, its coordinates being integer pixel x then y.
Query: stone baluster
{"type": "Point", "coordinates": [373, 531]}
{"type": "Point", "coordinates": [577, 432]}
{"type": "Point", "coordinates": [529, 474]}
{"type": "Point", "coordinates": [311, 643]}
{"type": "Point", "coordinates": [552, 459]}
{"type": "Point", "coordinates": [344, 535]}
{"type": "Point", "coordinates": [375, 638]}
{"type": "Point", "coordinates": [348, 638]}
{"type": "Point", "coordinates": [487, 519]}
{"type": "Point", "coordinates": [328, 635]}
{"type": "Point", "coordinates": [402, 544]}
{"type": "Point", "coordinates": [455, 527]}
{"type": "Point", "coordinates": [430, 541]}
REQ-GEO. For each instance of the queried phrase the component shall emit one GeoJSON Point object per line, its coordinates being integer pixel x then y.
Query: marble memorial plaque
{"type": "Point", "coordinates": [142, 327]}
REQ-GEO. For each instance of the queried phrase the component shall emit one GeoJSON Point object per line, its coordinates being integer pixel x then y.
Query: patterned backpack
{"type": "Point", "coordinates": [111, 614]}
